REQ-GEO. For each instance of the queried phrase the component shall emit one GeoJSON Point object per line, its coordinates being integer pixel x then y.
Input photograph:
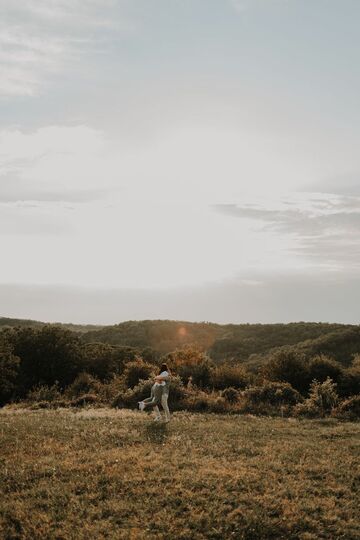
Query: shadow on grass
{"type": "Point", "coordinates": [156, 432]}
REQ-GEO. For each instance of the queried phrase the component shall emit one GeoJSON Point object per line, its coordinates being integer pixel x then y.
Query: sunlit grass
{"type": "Point", "coordinates": [115, 474]}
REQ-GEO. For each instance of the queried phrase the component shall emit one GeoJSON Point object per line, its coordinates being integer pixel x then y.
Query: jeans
{"type": "Point", "coordinates": [155, 396]}
{"type": "Point", "coordinates": [165, 406]}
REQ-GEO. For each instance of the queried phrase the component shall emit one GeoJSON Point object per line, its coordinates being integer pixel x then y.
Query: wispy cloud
{"type": "Point", "coordinates": [324, 228]}
{"type": "Point", "coordinates": [55, 164]}
{"type": "Point", "coordinates": [39, 37]}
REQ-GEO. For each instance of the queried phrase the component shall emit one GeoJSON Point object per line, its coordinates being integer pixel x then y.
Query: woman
{"type": "Point", "coordinates": [159, 393]}
{"type": "Point", "coordinates": [164, 377]}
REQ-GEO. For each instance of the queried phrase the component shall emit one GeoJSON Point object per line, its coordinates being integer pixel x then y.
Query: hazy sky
{"type": "Point", "coordinates": [183, 159]}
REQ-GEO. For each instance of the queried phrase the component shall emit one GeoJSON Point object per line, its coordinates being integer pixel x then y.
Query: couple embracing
{"type": "Point", "coordinates": [159, 394]}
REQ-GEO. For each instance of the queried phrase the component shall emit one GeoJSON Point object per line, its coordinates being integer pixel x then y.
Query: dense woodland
{"type": "Point", "coordinates": [270, 363]}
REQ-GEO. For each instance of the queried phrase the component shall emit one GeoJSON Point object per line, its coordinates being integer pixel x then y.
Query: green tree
{"type": "Point", "coordinates": [9, 371]}
{"type": "Point", "coordinates": [47, 355]}
{"type": "Point", "coordinates": [286, 365]}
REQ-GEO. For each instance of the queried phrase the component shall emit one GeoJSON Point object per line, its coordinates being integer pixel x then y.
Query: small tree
{"type": "Point", "coordinates": [323, 395]}
{"type": "Point", "coordinates": [322, 399]}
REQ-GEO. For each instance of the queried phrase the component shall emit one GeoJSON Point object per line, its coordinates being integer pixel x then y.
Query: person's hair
{"type": "Point", "coordinates": [163, 368]}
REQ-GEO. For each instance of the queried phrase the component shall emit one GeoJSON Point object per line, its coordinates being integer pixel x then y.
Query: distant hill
{"type": "Point", "coordinates": [340, 345]}
{"type": "Point", "coordinates": [236, 342]}
{"type": "Point", "coordinates": [250, 343]}
{"type": "Point", "coordinates": [7, 322]}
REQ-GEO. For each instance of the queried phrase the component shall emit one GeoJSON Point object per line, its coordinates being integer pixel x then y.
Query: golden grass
{"type": "Point", "coordinates": [102, 473]}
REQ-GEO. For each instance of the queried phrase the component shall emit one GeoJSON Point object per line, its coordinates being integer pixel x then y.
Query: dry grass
{"type": "Point", "coordinates": [102, 473]}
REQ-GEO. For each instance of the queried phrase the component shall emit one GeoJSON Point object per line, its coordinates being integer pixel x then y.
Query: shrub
{"type": "Point", "coordinates": [272, 393]}
{"type": "Point", "coordinates": [288, 366]}
{"type": "Point", "coordinates": [349, 408]}
{"type": "Point", "coordinates": [321, 367]}
{"type": "Point", "coordinates": [350, 380]}
{"type": "Point", "coordinates": [191, 362]}
{"type": "Point", "coordinates": [136, 371]}
{"type": "Point", "coordinates": [231, 395]}
{"type": "Point", "coordinates": [200, 401]}
{"type": "Point", "coordinates": [83, 384]}
{"type": "Point", "coordinates": [226, 376]}
{"type": "Point", "coordinates": [322, 399]}
{"type": "Point", "coordinates": [44, 393]}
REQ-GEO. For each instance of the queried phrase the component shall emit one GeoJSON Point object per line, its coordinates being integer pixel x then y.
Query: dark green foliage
{"type": "Point", "coordinates": [240, 341]}
{"type": "Point", "coordinates": [287, 365]}
{"type": "Point", "coordinates": [47, 355]}
{"type": "Point", "coordinates": [84, 383]}
{"type": "Point", "coordinates": [225, 376]}
{"type": "Point", "coordinates": [103, 361]}
{"type": "Point", "coordinates": [349, 383]}
{"type": "Point", "coordinates": [321, 367]}
{"type": "Point", "coordinates": [272, 393]}
{"type": "Point", "coordinates": [9, 370]}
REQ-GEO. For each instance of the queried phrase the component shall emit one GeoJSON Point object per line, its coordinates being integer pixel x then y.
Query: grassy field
{"type": "Point", "coordinates": [103, 473]}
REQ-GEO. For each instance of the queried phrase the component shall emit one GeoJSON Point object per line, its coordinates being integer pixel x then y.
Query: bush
{"type": "Point", "coordinates": [191, 362]}
{"type": "Point", "coordinates": [321, 367]}
{"type": "Point", "coordinates": [272, 393]}
{"type": "Point", "coordinates": [231, 395]}
{"type": "Point", "coordinates": [322, 399]}
{"type": "Point", "coordinates": [136, 371]}
{"type": "Point", "coordinates": [200, 401]}
{"type": "Point", "coordinates": [349, 408]}
{"type": "Point", "coordinates": [288, 366]}
{"type": "Point", "coordinates": [83, 384]}
{"type": "Point", "coordinates": [226, 376]}
{"type": "Point", "coordinates": [44, 393]}
{"type": "Point", "coordinates": [350, 381]}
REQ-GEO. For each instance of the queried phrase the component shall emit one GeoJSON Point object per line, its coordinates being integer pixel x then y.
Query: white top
{"type": "Point", "coordinates": [164, 374]}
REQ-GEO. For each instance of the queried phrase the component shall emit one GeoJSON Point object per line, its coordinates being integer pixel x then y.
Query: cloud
{"type": "Point", "coordinates": [325, 228]}
{"type": "Point", "coordinates": [16, 189]}
{"type": "Point", "coordinates": [38, 38]}
{"type": "Point", "coordinates": [55, 163]}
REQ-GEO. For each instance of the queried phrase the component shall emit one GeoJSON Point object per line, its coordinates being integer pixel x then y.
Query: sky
{"type": "Point", "coordinates": [180, 159]}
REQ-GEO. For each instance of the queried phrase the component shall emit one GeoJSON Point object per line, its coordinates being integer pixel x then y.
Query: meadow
{"type": "Point", "coordinates": [105, 473]}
